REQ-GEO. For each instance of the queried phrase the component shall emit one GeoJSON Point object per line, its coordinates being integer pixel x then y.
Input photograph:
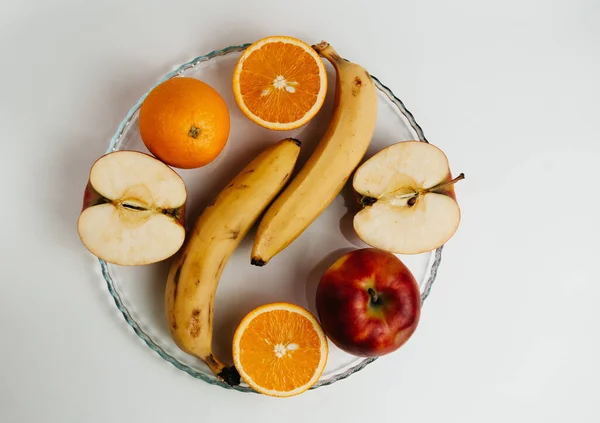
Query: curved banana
{"type": "Point", "coordinates": [196, 270]}
{"type": "Point", "coordinates": [323, 176]}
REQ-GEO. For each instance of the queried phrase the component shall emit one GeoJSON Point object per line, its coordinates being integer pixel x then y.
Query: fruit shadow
{"type": "Point", "coordinates": [346, 225]}
{"type": "Point", "coordinates": [156, 280]}
{"type": "Point", "coordinates": [317, 272]}
{"type": "Point", "coordinates": [68, 186]}
{"type": "Point", "coordinates": [226, 323]}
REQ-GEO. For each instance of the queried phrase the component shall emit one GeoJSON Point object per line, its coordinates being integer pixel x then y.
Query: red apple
{"type": "Point", "coordinates": [368, 302]}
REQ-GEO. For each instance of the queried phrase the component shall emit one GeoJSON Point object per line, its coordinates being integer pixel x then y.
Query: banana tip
{"type": "Point", "coordinates": [296, 141]}
{"type": "Point", "coordinates": [230, 376]}
{"type": "Point", "coordinates": [257, 262]}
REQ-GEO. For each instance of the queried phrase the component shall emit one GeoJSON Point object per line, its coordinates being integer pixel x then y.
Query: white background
{"type": "Point", "coordinates": [508, 89]}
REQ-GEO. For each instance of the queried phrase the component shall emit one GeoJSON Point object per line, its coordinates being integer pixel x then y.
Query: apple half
{"type": "Point", "coordinates": [407, 194]}
{"type": "Point", "coordinates": [133, 209]}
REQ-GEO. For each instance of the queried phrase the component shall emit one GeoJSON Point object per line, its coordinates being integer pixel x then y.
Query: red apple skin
{"type": "Point", "coordinates": [90, 196]}
{"type": "Point", "coordinates": [347, 313]}
{"type": "Point", "coordinates": [449, 190]}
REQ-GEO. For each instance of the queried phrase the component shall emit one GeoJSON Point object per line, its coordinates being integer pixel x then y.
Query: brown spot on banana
{"type": "Point", "coordinates": [195, 326]}
{"type": "Point", "coordinates": [356, 86]}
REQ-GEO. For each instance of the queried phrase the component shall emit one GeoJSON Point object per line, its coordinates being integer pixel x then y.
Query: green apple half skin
{"type": "Point", "coordinates": [368, 302]}
{"type": "Point", "coordinates": [407, 192]}
{"type": "Point", "coordinates": [133, 209]}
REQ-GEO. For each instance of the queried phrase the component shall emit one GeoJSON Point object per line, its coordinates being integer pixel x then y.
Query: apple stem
{"type": "Point", "coordinates": [374, 296]}
{"type": "Point", "coordinates": [445, 184]}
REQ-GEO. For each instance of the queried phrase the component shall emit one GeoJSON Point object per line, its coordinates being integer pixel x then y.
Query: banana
{"type": "Point", "coordinates": [325, 173]}
{"type": "Point", "coordinates": [195, 272]}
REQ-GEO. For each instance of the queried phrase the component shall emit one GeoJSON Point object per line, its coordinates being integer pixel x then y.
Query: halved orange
{"type": "Point", "coordinates": [280, 349]}
{"type": "Point", "coordinates": [280, 82]}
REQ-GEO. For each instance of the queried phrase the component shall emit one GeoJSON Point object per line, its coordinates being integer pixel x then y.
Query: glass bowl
{"type": "Point", "coordinates": [291, 276]}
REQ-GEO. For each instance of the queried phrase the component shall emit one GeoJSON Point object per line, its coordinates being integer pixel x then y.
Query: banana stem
{"type": "Point", "coordinates": [328, 52]}
{"type": "Point", "coordinates": [321, 46]}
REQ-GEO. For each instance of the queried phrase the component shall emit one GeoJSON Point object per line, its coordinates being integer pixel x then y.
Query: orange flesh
{"type": "Point", "coordinates": [278, 331]}
{"type": "Point", "coordinates": [272, 100]}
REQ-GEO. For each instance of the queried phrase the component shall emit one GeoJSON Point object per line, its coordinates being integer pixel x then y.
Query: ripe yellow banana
{"type": "Point", "coordinates": [323, 176]}
{"type": "Point", "coordinates": [196, 270]}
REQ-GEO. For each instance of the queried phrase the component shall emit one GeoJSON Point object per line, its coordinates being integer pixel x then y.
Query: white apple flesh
{"type": "Point", "coordinates": [408, 198]}
{"type": "Point", "coordinates": [133, 209]}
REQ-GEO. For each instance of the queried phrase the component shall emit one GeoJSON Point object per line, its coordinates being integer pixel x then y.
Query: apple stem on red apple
{"type": "Point", "coordinates": [374, 296]}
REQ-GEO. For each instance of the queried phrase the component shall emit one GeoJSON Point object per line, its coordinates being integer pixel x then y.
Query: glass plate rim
{"type": "Point", "coordinates": [113, 145]}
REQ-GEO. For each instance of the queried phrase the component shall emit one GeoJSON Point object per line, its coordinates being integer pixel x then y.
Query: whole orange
{"type": "Point", "coordinates": [184, 122]}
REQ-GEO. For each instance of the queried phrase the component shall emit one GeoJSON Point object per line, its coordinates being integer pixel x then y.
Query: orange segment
{"type": "Point", "coordinates": [280, 83]}
{"type": "Point", "coordinates": [280, 349]}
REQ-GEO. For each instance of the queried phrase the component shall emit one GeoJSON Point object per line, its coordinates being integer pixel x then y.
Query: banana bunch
{"type": "Point", "coordinates": [195, 271]}
{"type": "Point", "coordinates": [324, 175]}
